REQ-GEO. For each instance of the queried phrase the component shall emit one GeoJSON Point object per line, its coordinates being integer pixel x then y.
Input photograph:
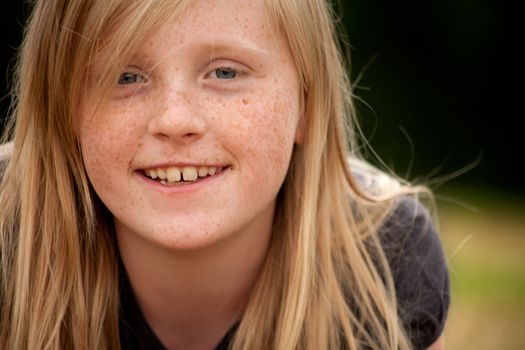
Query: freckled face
{"type": "Point", "coordinates": [213, 93]}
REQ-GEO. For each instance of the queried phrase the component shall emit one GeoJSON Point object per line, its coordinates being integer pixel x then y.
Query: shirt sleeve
{"type": "Point", "coordinates": [415, 254]}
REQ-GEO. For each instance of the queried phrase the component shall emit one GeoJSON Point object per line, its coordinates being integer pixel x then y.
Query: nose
{"type": "Point", "coordinates": [177, 118]}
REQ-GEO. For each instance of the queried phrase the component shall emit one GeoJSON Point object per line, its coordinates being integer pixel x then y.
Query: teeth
{"type": "Point", "coordinates": [161, 173]}
{"type": "Point", "coordinates": [203, 171]}
{"type": "Point", "coordinates": [189, 173]}
{"type": "Point", "coordinates": [173, 174]}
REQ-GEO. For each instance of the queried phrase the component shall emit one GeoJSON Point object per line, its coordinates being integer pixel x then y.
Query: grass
{"type": "Point", "coordinates": [485, 247]}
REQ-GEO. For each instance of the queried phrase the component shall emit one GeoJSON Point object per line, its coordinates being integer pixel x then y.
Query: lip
{"type": "Point", "coordinates": [188, 187]}
{"type": "Point", "coordinates": [183, 164]}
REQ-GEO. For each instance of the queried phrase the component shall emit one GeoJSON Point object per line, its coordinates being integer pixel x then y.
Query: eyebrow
{"type": "Point", "coordinates": [235, 47]}
{"type": "Point", "coordinates": [230, 44]}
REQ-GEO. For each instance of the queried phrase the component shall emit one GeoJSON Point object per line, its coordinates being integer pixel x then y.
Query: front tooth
{"type": "Point", "coordinates": [203, 171]}
{"type": "Point", "coordinates": [189, 173]}
{"type": "Point", "coordinates": [173, 174]}
{"type": "Point", "coordinates": [161, 173]}
{"type": "Point", "coordinates": [212, 170]}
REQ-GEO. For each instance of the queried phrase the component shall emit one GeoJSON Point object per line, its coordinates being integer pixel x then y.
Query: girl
{"type": "Point", "coordinates": [178, 178]}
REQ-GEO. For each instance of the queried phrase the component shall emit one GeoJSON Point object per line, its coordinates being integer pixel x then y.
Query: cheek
{"type": "Point", "coordinates": [269, 126]}
{"type": "Point", "coordinates": [108, 140]}
{"type": "Point", "coordinates": [108, 135]}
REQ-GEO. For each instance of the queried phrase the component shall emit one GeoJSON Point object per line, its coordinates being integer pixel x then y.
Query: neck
{"type": "Point", "coordinates": [191, 298]}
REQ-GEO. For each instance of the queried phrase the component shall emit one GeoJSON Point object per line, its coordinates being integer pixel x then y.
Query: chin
{"type": "Point", "coordinates": [180, 238]}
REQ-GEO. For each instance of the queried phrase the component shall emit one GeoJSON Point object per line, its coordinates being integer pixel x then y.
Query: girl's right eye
{"type": "Point", "coordinates": [129, 78]}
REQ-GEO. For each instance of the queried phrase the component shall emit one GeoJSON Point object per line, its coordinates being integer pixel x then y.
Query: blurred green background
{"type": "Point", "coordinates": [437, 97]}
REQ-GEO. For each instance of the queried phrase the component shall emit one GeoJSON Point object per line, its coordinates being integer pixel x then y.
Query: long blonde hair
{"type": "Point", "coordinates": [325, 283]}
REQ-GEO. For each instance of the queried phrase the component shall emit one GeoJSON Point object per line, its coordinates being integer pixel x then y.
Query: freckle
{"type": "Point", "coordinates": [245, 101]}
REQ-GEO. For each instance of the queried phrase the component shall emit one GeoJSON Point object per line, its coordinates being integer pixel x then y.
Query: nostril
{"type": "Point", "coordinates": [179, 125]}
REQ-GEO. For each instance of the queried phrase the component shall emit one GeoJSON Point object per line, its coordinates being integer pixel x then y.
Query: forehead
{"type": "Point", "coordinates": [198, 27]}
{"type": "Point", "coordinates": [220, 22]}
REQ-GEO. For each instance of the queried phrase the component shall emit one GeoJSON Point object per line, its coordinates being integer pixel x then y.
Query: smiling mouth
{"type": "Point", "coordinates": [173, 176]}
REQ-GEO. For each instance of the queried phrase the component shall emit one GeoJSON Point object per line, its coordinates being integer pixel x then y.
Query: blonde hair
{"type": "Point", "coordinates": [325, 283]}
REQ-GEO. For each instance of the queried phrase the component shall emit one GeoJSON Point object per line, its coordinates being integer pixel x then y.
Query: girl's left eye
{"type": "Point", "coordinates": [129, 78]}
{"type": "Point", "coordinates": [225, 73]}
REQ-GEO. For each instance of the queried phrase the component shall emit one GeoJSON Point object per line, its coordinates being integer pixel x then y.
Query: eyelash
{"type": "Point", "coordinates": [137, 78]}
{"type": "Point", "coordinates": [221, 70]}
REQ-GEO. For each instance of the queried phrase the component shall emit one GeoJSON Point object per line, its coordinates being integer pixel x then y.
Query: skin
{"type": "Point", "coordinates": [193, 252]}
{"type": "Point", "coordinates": [439, 344]}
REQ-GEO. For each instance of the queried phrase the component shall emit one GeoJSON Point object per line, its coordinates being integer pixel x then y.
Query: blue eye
{"type": "Point", "coordinates": [225, 73]}
{"type": "Point", "coordinates": [129, 78]}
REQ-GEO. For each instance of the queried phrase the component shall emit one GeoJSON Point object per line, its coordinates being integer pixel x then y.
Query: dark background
{"type": "Point", "coordinates": [439, 88]}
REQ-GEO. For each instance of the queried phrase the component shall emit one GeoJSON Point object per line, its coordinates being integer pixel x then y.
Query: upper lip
{"type": "Point", "coordinates": [185, 164]}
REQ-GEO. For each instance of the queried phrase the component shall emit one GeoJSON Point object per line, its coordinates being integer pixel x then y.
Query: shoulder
{"type": "Point", "coordinates": [372, 180]}
{"type": "Point", "coordinates": [415, 254]}
{"type": "Point", "coordinates": [5, 151]}
{"type": "Point", "coordinates": [409, 235]}
{"type": "Point", "coordinates": [5, 154]}
{"type": "Point", "coordinates": [409, 226]}
{"type": "Point", "coordinates": [412, 246]}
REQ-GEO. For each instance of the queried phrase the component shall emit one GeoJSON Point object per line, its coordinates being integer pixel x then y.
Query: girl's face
{"type": "Point", "coordinates": [196, 138]}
